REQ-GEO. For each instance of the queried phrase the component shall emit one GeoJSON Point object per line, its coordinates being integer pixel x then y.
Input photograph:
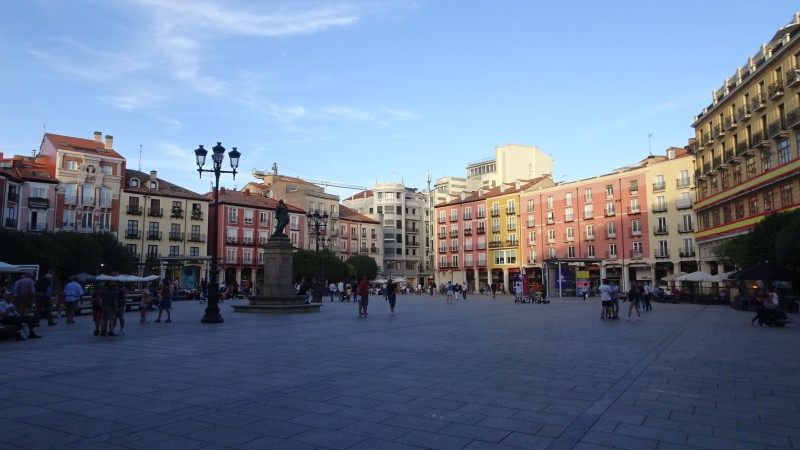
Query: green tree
{"type": "Point", "coordinates": [302, 264]}
{"type": "Point", "coordinates": [787, 245]}
{"type": "Point", "coordinates": [359, 266]}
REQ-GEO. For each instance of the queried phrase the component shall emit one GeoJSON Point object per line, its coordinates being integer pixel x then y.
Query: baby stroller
{"type": "Point", "coordinates": [772, 318]}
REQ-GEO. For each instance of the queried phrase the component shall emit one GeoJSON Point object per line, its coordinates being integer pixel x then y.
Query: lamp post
{"type": "Point", "coordinates": [315, 221]}
{"type": "Point", "coordinates": [212, 309]}
{"type": "Point", "coordinates": [421, 271]}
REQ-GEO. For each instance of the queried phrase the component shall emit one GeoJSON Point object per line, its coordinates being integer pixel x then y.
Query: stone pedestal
{"type": "Point", "coordinates": [277, 292]}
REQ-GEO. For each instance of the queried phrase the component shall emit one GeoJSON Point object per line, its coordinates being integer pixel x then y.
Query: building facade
{"type": "Point", "coordinates": [28, 193]}
{"type": "Point", "coordinates": [164, 228]}
{"type": "Point", "coordinates": [359, 235]}
{"type": "Point", "coordinates": [90, 174]}
{"type": "Point", "coordinates": [747, 143]}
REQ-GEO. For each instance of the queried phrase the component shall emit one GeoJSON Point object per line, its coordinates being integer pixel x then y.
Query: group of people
{"type": "Point", "coordinates": [455, 291]}
{"type": "Point", "coordinates": [610, 294]}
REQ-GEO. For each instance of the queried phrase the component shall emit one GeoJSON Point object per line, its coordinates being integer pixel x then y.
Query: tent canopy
{"type": "Point", "coordinates": [10, 268]}
{"type": "Point", "coordinates": [123, 278]}
{"type": "Point", "coordinates": [700, 277]}
{"type": "Point", "coordinates": [767, 272]}
{"type": "Point", "coordinates": [673, 277]}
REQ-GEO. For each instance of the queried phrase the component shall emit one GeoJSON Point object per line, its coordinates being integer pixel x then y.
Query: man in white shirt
{"type": "Point", "coordinates": [605, 298]}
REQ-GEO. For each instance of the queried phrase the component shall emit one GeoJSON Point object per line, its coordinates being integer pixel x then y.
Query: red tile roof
{"type": "Point", "coordinates": [81, 145]}
{"type": "Point", "coordinates": [232, 197]}
{"type": "Point", "coordinates": [165, 188]}
{"type": "Point", "coordinates": [23, 168]}
{"type": "Point", "coordinates": [352, 215]}
{"type": "Point", "coordinates": [363, 194]}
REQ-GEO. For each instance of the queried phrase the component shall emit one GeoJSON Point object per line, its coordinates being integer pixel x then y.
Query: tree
{"type": "Point", "coordinates": [359, 266]}
{"type": "Point", "coordinates": [302, 264]}
{"type": "Point", "coordinates": [787, 246]}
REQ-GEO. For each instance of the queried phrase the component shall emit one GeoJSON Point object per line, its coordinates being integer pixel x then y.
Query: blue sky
{"type": "Point", "coordinates": [359, 91]}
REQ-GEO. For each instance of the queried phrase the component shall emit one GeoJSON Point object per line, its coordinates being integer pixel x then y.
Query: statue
{"type": "Point", "coordinates": [281, 219]}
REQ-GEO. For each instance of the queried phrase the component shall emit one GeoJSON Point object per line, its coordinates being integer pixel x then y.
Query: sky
{"type": "Point", "coordinates": [359, 92]}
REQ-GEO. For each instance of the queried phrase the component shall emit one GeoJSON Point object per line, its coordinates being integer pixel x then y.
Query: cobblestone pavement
{"type": "Point", "coordinates": [472, 375]}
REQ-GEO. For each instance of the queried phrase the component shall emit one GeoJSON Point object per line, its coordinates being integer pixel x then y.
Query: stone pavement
{"type": "Point", "coordinates": [471, 375]}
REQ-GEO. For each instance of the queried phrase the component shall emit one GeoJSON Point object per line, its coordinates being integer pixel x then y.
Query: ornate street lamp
{"type": "Point", "coordinates": [315, 222]}
{"type": "Point", "coordinates": [212, 309]}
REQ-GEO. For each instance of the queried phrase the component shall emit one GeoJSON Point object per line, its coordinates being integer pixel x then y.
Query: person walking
{"type": "Point", "coordinates": [24, 290]}
{"type": "Point", "coordinates": [144, 303]}
{"type": "Point", "coordinates": [633, 300]}
{"type": "Point", "coordinates": [605, 298]}
{"type": "Point", "coordinates": [464, 290]}
{"type": "Point", "coordinates": [449, 292]}
{"type": "Point", "coordinates": [122, 297]}
{"type": "Point", "coordinates": [614, 293]}
{"type": "Point", "coordinates": [203, 290]}
{"type": "Point", "coordinates": [340, 287]}
{"type": "Point", "coordinates": [44, 299]}
{"type": "Point", "coordinates": [332, 289]}
{"type": "Point", "coordinates": [493, 288]}
{"type": "Point", "coordinates": [648, 294]}
{"type": "Point", "coordinates": [363, 297]}
{"type": "Point", "coordinates": [391, 295]}
{"type": "Point", "coordinates": [72, 296]}
{"type": "Point", "coordinates": [166, 302]}
{"type": "Point", "coordinates": [108, 301]}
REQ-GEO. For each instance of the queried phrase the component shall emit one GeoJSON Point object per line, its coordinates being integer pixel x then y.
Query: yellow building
{"type": "Point", "coordinates": [747, 139]}
{"type": "Point", "coordinates": [164, 227]}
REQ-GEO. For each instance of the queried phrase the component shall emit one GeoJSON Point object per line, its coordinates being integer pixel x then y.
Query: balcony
{"type": "Point", "coordinates": [610, 255]}
{"type": "Point", "coordinates": [155, 212]}
{"type": "Point", "coordinates": [467, 248]}
{"type": "Point", "coordinates": [442, 249]}
{"type": "Point", "coordinates": [610, 213]}
{"type": "Point", "coordinates": [37, 227]}
{"type": "Point", "coordinates": [177, 213]}
{"type": "Point", "coordinates": [530, 224]}
{"type": "Point", "coordinates": [495, 213]}
{"type": "Point", "coordinates": [588, 237]}
{"type": "Point", "coordinates": [687, 253]}
{"type": "Point", "coordinates": [569, 218]}
{"type": "Point", "coordinates": [729, 155]}
{"type": "Point", "coordinates": [134, 210]}
{"type": "Point", "coordinates": [718, 131]}
{"type": "Point", "coordinates": [743, 149]}
{"type": "Point", "coordinates": [793, 77]}
{"type": "Point", "coordinates": [495, 244]}
{"type": "Point", "coordinates": [683, 203]}
{"type": "Point", "coordinates": [197, 215]}
{"type": "Point", "coordinates": [154, 235]}
{"type": "Point", "coordinates": [777, 128]}
{"type": "Point", "coordinates": [683, 182]}
{"type": "Point", "coordinates": [730, 123]}
{"type": "Point", "coordinates": [442, 220]}
{"type": "Point", "coordinates": [569, 237]}
{"type": "Point", "coordinates": [698, 174]}
{"type": "Point", "coordinates": [13, 197]}
{"type": "Point", "coordinates": [588, 215]}
{"type": "Point", "coordinates": [133, 234]}
{"type": "Point", "coordinates": [152, 258]}
{"type": "Point", "coordinates": [481, 230]}
{"type": "Point", "coordinates": [510, 211]}
{"type": "Point", "coordinates": [531, 260]}
{"type": "Point", "coordinates": [442, 235]}
{"type": "Point", "coordinates": [175, 236]}
{"type": "Point", "coordinates": [38, 203]}
{"type": "Point", "coordinates": [194, 237]}
{"type": "Point", "coordinates": [659, 186]}
{"type": "Point", "coordinates": [232, 239]}
{"type": "Point", "coordinates": [685, 228]}
{"type": "Point", "coordinates": [611, 234]}
{"type": "Point", "coordinates": [636, 254]}
{"type": "Point", "coordinates": [743, 113]}
{"type": "Point", "coordinates": [634, 232]}
{"type": "Point", "coordinates": [454, 248]}
{"type": "Point", "coordinates": [480, 246]}
{"type": "Point", "coordinates": [707, 139]}
{"type": "Point", "coordinates": [511, 227]}
{"type": "Point", "coordinates": [793, 118]}
{"type": "Point", "coordinates": [551, 220]}
{"type": "Point", "coordinates": [551, 240]}
{"type": "Point", "coordinates": [757, 140]}
{"type": "Point", "coordinates": [775, 90]}
{"type": "Point", "coordinates": [660, 230]}
{"type": "Point", "coordinates": [659, 207]}
{"type": "Point", "coordinates": [662, 253]}
{"type": "Point", "coordinates": [481, 214]}
{"type": "Point", "coordinates": [453, 233]}
{"type": "Point", "coordinates": [495, 229]}
{"type": "Point", "coordinates": [454, 218]}
{"type": "Point", "coordinates": [467, 231]}
{"type": "Point", "coordinates": [758, 103]}
{"type": "Point", "coordinates": [373, 249]}
{"type": "Point", "coordinates": [634, 210]}
{"type": "Point", "coordinates": [70, 199]}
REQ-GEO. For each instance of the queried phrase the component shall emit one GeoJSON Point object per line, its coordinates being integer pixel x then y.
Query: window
{"type": "Point", "coordinates": [784, 154]}
{"type": "Point", "coordinates": [230, 256]}
{"type": "Point", "coordinates": [612, 250]}
{"type": "Point", "coordinates": [72, 165]}
{"type": "Point", "coordinates": [263, 218]}
{"type": "Point", "coordinates": [511, 207]}
{"type": "Point", "coordinates": [588, 211]}
{"type": "Point", "coordinates": [67, 222]}
{"type": "Point", "coordinates": [609, 191]}
{"type": "Point", "coordinates": [663, 249]}
{"type": "Point", "coordinates": [766, 160]}
{"type": "Point", "coordinates": [86, 220]}
{"type": "Point", "coordinates": [194, 251]}
{"type": "Point", "coordinates": [551, 236]}
{"type": "Point", "coordinates": [589, 231]}
{"type": "Point", "coordinates": [637, 247]}
{"type": "Point", "coordinates": [590, 251]}
{"type": "Point", "coordinates": [786, 195]}
{"type": "Point", "coordinates": [769, 201]}
{"type": "Point", "coordinates": [481, 211]}
{"type": "Point", "coordinates": [248, 216]}
{"type": "Point", "coordinates": [636, 227]}
{"type": "Point", "coordinates": [496, 209]}
{"type": "Point", "coordinates": [467, 213]}
{"type": "Point", "coordinates": [453, 215]}
{"type": "Point", "coordinates": [174, 250]}
{"type": "Point", "coordinates": [495, 225]}
{"type": "Point", "coordinates": [152, 251]}
{"type": "Point", "coordinates": [570, 234]}
{"type": "Point", "coordinates": [568, 199]}
{"type": "Point", "coordinates": [107, 170]}
{"type": "Point", "coordinates": [611, 229]}
{"type": "Point", "coordinates": [568, 215]}
{"type": "Point", "coordinates": [512, 223]}
{"type": "Point", "coordinates": [610, 209]}
{"type": "Point", "coordinates": [588, 195]}
{"type": "Point", "coordinates": [752, 203]}
{"type": "Point", "coordinates": [551, 252]}
{"type": "Point", "coordinates": [247, 256]}
{"type": "Point", "coordinates": [232, 215]}
{"type": "Point", "coordinates": [686, 223]}
{"type": "Point", "coordinates": [750, 168]}
{"type": "Point", "coordinates": [88, 194]}
{"type": "Point", "coordinates": [570, 251]}
{"type": "Point", "coordinates": [634, 186]}
{"type": "Point", "coordinates": [530, 205]}
{"type": "Point", "coordinates": [105, 197]}
{"type": "Point", "coordinates": [531, 221]}
{"type": "Point", "coordinates": [551, 217]}
{"type": "Point", "coordinates": [549, 202]}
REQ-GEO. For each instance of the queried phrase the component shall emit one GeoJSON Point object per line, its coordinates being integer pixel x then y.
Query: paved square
{"type": "Point", "coordinates": [473, 375]}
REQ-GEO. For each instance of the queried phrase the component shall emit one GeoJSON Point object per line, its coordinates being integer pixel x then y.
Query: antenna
{"type": "Point", "coordinates": [140, 157]}
{"type": "Point", "coordinates": [649, 149]}
{"type": "Point", "coordinates": [44, 128]}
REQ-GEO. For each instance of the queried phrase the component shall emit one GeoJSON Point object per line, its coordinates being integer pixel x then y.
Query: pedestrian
{"type": "Point", "coordinates": [332, 289]}
{"type": "Point", "coordinates": [614, 293]}
{"type": "Point", "coordinates": [10, 316]}
{"type": "Point", "coordinates": [633, 299]}
{"type": "Point", "coordinates": [494, 290]}
{"type": "Point", "coordinates": [544, 293]}
{"type": "Point", "coordinates": [457, 291]}
{"type": "Point", "coordinates": [449, 292]}
{"type": "Point", "coordinates": [648, 293]}
{"type": "Point", "coordinates": [24, 290]}
{"type": "Point", "coordinates": [166, 303]}
{"type": "Point", "coordinates": [363, 297]}
{"type": "Point", "coordinates": [340, 288]}
{"type": "Point", "coordinates": [144, 303]}
{"type": "Point", "coordinates": [203, 290]}
{"type": "Point", "coordinates": [108, 302]}
{"type": "Point", "coordinates": [72, 296]}
{"type": "Point", "coordinates": [97, 311]}
{"type": "Point", "coordinates": [391, 295]}
{"type": "Point", "coordinates": [44, 299]}
{"type": "Point", "coordinates": [605, 298]}
{"type": "Point", "coordinates": [119, 315]}
{"type": "Point", "coordinates": [464, 290]}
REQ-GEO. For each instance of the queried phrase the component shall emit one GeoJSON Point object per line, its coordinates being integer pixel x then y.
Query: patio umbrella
{"type": "Point", "coordinates": [673, 277]}
{"type": "Point", "coordinates": [700, 277]}
{"type": "Point", "coordinates": [83, 277]}
{"type": "Point", "coordinates": [767, 272]}
{"type": "Point", "coordinates": [9, 268]}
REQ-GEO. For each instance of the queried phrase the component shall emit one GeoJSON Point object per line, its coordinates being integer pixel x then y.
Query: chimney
{"type": "Point", "coordinates": [221, 190]}
{"type": "Point", "coordinates": [153, 176]}
{"type": "Point", "coordinates": [109, 142]}
{"type": "Point", "coordinates": [247, 192]}
{"type": "Point", "coordinates": [97, 136]}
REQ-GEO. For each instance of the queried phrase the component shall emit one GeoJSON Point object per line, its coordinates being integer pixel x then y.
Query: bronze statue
{"type": "Point", "coordinates": [281, 218]}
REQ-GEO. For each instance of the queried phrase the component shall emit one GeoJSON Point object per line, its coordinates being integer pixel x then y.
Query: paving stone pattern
{"type": "Point", "coordinates": [471, 375]}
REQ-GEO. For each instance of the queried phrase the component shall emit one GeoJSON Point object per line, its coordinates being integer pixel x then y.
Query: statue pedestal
{"type": "Point", "coordinates": [277, 293]}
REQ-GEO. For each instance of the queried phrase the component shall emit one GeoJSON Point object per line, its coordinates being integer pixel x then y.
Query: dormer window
{"type": "Point", "coordinates": [134, 182]}
{"type": "Point", "coordinates": [153, 185]}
